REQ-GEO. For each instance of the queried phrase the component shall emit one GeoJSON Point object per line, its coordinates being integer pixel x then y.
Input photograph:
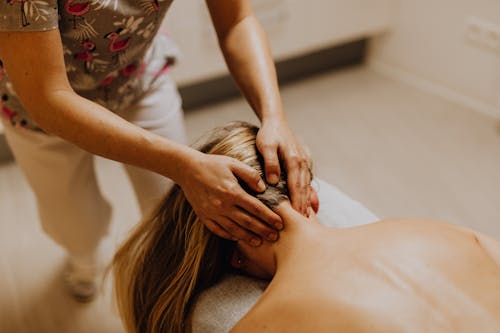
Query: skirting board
{"type": "Point", "coordinates": [220, 88]}
{"type": "Point", "coordinates": [5, 153]}
{"type": "Point", "coordinates": [217, 89]}
{"type": "Point", "coordinates": [434, 88]}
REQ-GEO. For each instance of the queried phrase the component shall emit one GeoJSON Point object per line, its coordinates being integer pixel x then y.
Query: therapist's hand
{"type": "Point", "coordinates": [211, 187]}
{"type": "Point", "coordinates": [276, 142]}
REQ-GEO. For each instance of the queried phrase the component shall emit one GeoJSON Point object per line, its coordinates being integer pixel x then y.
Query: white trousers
{"type": "Point", "coordinates": [72, 210]}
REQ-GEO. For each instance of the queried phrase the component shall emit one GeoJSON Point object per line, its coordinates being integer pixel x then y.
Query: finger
{"type": "Point", "coordinates": [311, 213]}
{"type": "Point", "coordinates": [248, 175]}
{"type": "Point", "coordinates": [302, 201]}
{"type": "Point", "coordinates": [253, 206]}
{"type": "Point", "coordinates": [271, 163]}
{"type": "Point", "coordinates": [297, 182]}
{"type": "Point", "coordinates": [306, 189]}
{"type": "Point", "coordinates": [237, 232]}
{"type": "Point", "coordinates": [250, 222]}
{"type": "Point", "coordinates": [294, 185]}
{"type": "Point", "coordinates": [314, 199]}
{"type": "Point", "coordinates": [306, 195]}
{"type": "Point", "coordinates": [216, 229]}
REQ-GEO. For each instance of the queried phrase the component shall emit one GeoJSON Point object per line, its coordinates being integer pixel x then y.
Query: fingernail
{"type": "Point", "coordinates": [279, 226]}
{"type": "Point", "coordinates": [273, 178]}
{"type": "Point", "coordinates": [261, 185]}
{"type": "Point", "coordinates": [235, 239]}
{"type": "Point", "coordinates": [272, 236]}
{"type": "Point", "coordinates": [255, 241]}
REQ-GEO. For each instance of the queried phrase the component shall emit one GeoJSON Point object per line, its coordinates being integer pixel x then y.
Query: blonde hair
{"type": "Point", "coordinates": [171, 257]}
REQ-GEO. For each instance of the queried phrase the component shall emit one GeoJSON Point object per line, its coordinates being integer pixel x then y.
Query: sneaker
{"type": "Point", "coordinates": [83, 277]}
{"type": "Point", "coordinates": [82, 280]}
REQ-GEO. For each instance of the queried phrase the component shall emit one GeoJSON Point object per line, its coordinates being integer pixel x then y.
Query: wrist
{"type": "Point", "coordinates": [270, 111]}
{"type": "Point", "coordinates": [187, 160]}
{"type": "Point", "coordinates": [274, 123]}
{"type": "Point", "coordinates": [277, 117]}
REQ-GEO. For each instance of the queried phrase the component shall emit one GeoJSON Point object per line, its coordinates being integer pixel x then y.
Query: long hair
{"type": "Point", "coordinates": [171, 257]}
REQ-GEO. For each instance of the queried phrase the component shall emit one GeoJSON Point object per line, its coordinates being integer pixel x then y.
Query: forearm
{"type": "Point", "coordinates": [101, 132]}
{"type": "Point", "coordinates": [38, 75]}
{"type": "Point", "coordinates": [246, 50]}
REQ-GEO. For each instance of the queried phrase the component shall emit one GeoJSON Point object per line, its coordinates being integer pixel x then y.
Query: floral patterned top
{"type": "Point", "coordinates": [113, 49]}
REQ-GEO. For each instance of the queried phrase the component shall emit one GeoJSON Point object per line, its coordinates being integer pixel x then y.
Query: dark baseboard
{"type": "Point", "coordinates": [5, 153]}
{"type": "Point", "coordinates": [220, 88]}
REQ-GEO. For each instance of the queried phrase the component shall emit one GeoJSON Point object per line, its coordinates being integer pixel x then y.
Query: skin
{"type": "Point", "coordinates": [246, 50]}
{"type": "Point", "coordinates": [210, 182]}
{"type": "Point", "coordinates": [404, 275]}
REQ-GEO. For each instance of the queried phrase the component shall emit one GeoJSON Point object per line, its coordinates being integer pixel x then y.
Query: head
{"type": "Point", "coordinates": [171, 257]}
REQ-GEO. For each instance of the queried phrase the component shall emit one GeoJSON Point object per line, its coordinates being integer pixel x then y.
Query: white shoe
{"type": "Point", "coordinates": [83, 277]}
{"type": "Point", "coordinates": [82, 280]}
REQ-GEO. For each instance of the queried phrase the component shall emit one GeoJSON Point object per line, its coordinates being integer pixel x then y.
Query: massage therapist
{"type": "Point", "coordinates": [89, 77]}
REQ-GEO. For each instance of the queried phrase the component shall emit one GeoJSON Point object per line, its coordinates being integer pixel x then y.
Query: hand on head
{"type": "Point", "coordinates": [276, 142]}
{"type": "Point", "coordinates": [223, 206]}
{"type": "Point", "coordinates": [212, 183]}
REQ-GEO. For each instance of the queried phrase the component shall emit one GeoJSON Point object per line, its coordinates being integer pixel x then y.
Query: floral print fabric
{"type": "Point", "coordinates": [113, 49]}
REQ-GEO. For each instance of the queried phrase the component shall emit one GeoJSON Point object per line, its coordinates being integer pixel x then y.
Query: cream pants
{"type": "Point", "coordinates": [72, 210]}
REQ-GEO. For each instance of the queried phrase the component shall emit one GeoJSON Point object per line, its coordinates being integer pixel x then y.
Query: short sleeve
{"type": "Point", "coordinates": [28, 15]}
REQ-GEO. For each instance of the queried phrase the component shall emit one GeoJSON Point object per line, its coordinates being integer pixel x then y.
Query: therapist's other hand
{"type": "Point", "coordinates": [276, 142]}
{"type": "Point", "coordinates": [211, 187]}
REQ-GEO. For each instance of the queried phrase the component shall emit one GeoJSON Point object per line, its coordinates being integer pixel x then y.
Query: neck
{"type": "Point", "coordinates": [299, 233]}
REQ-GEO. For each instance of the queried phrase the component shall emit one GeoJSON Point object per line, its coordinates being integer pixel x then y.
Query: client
{"type": "Point", "coordinates": [392, 276]}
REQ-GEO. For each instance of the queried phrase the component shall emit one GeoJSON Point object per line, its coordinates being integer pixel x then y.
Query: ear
{"type": "Point", "coordinates": [237, 259]}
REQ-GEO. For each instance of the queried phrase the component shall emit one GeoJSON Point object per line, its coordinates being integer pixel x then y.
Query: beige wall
{"type": "Point", "coordinates": [429, 47]}
{"type": "Point", "coordinates": [294, 28]}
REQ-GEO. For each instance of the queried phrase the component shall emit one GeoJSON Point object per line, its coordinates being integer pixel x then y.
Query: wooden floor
{"type": "Point", "coordinates": [399, 151]}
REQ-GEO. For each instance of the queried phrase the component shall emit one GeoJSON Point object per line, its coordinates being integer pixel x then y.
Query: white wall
{"type": "Point", "coordinates": [294, 28]}
{"type": "Point", "coordinates": [429, 48]}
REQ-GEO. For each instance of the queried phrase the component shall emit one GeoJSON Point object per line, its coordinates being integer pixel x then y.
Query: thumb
{"type": "Point", "coordinates": [271, 165]}
{"type": "Point", "coordinates": [249, 176]}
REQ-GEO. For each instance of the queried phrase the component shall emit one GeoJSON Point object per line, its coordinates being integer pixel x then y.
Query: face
{"type": "Point", "coordinates": [260, 262]}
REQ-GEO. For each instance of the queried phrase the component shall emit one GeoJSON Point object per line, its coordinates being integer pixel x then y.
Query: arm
{"type": "Point", "coordinates": [246, 50]}
{"type": "Point", "coordinates": [209, 182]}
{"type": "Point", "coordinates": [39, 78]}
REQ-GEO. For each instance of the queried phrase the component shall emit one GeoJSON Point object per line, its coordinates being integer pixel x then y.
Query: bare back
{"type": "Point", "coordinates": [391, 276]}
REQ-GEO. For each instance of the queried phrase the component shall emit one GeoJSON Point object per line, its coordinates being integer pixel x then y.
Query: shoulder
{"type": "Point", "coordinates": [489, 245]}
{"type": "Point", "coordinates": [304, 314]}
{"type": "Point", "coordinates": [275, 312]}
{"type": "Point", "coordinates": [263, 317]}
